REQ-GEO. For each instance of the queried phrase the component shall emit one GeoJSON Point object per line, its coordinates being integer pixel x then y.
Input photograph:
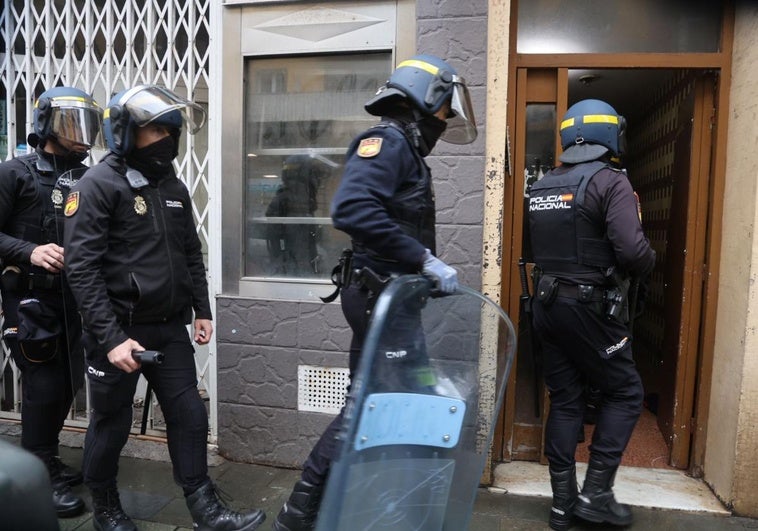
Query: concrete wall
{"type": "Point", "coordinates": [261, 342]}
{"type": "Point", "coordinates": [457, 32]}
{"type": "Point", "coordinates": [731, 457]}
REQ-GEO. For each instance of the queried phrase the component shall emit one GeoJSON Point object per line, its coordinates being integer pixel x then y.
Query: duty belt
{"type": "Point", "coordinates": [45, 281]}
{"type": "Point", "coordinates": [582, 292]}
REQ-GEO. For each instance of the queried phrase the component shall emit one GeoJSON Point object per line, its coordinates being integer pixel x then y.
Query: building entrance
{"type": "Point", "coordinates": [669, 114]}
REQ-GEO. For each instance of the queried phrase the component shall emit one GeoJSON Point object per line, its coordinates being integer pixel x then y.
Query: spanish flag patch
{"type": "Point", "coordinates": [369, 147]}
{"type": "Point", "coordinates": [72, 204]}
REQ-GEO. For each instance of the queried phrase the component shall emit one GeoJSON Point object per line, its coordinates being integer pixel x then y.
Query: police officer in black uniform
{"type": "Point", "coordinates": [135, 266]}
{"type": "Point", "coordinates": [41, 327]}
{"type": "Point", "coordinates": [588, 243]}
{"type": "Point", "coordinates": [385, 203]}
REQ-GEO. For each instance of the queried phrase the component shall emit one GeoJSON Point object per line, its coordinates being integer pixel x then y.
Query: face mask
{"type": "Point", "coordinates": [431, 128]}
{"type": "Point", "coordinates": [63, 154]}
{"type": "Point", "coordinates": [155, 158]}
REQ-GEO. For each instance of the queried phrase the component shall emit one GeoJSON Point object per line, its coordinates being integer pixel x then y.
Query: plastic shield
{"type": "Point", "coordinates": [419, 418]}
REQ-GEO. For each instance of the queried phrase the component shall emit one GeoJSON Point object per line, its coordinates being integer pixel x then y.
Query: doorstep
{"type": "Point", "coordinates": [653, 488]}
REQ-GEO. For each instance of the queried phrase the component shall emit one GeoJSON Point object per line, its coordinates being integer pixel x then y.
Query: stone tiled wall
{"type": "Point", "coordinates": [261, 343]}
{"type": "Point", "coordinates": [457, 32]}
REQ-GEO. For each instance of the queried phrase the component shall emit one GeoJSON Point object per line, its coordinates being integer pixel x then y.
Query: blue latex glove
{"type": "Point", "coordinates": [445, 277]}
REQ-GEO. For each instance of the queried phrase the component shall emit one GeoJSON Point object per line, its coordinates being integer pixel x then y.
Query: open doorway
{"type": "Point", "coordinates": [668, 112]}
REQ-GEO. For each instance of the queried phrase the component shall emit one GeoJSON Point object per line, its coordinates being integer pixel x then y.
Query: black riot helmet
{"type": "Point", "coordinates": [426, 82]}
{"type": "Point", "coordinates": [590, 129]}
{"type": "Point", "coordinates": [143, 105]}
{"type": "Point", "coordinates": [67, 113]}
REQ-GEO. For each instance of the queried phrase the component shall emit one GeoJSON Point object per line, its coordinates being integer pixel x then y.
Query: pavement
{"type": "Point", "coordinates": [150, 496]}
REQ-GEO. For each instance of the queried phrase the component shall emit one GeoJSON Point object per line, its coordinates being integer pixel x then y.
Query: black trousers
{"type": "Point", "coordinates": [579, 344]}
{"type": "Point", "coordinates": [48, 388]}
{"type": "Point", "coordinates": [355, 305]}
{"type": "Point", "coordinates": [405, 365]}
{"type": "Point", "coordinates": [175, 386]}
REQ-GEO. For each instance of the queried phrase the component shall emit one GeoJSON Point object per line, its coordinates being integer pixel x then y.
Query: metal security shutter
{"type": "Point", "coordinates": [104, 47]}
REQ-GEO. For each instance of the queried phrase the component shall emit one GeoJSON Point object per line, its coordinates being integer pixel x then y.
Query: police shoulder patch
{"type": "Point", "coordinates": [369, 147]}
{"type": "Point", "coordinates": [72, 204]}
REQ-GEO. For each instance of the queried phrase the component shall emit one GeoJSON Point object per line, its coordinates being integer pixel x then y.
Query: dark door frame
{"type": "Point", "coordinates": [704, 323]}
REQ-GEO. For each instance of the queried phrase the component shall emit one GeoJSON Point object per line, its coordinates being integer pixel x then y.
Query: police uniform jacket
{"type": "Point", "coordinates": [608, 211]}
{"type": "Point", "coordinates": [132, 252]}
{"type": "Point", "coordinates": [27, 217]}
{"type": "Point", "coordinates": [385, 201]}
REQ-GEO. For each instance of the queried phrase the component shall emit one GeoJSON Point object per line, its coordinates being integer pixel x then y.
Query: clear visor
{"type": "Point", "coordinates": [461, 126]}
{"type": "Point", "coordinates": [148, 103]}
{"type": "Point", "coordinates": [79, 123]}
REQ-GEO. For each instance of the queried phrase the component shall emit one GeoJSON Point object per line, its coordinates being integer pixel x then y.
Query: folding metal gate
{"type": "Point", "coordinates": [103, 47]}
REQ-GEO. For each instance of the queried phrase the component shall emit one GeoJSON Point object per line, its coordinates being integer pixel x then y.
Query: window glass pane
{"type": "Point", "coordinates": [300, 115]}
{"type": "Point", "coordinates": [614, 26]}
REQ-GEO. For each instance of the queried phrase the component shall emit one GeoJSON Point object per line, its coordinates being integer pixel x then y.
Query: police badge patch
{"type": "Point", "coordinates": [140, 207]}
{"type": "Point", "coordinates": [369, 147]}
{"type": "Point", "coordinates": [72, 204]}
{"type": "Point", "coordinates": [57, 197]}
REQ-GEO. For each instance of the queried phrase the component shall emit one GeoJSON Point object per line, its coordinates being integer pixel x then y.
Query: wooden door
{"type": "Point", "coordinates": [683, 270]}
{"type": "Point", "coordinates": [541, 94]}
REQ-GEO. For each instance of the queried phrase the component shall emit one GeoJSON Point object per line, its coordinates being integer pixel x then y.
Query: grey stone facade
{"type": "Point", "coordinates": [261, 343]}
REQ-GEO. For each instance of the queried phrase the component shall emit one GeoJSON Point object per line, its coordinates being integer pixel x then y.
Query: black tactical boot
{"type": "Point", "coordinates": [565, 491]}
{"type": "Point", "coordinates": [107, 514]}
{"type": "Point", "coordinates": [596, 502]}
{"type": "Point", "coordinates": [70, 475]}
{"type": "Point", "coordinates": [210, 514]}
{"type": "Point", "coordinates": [301, 509]}
{"type": "Point", "coordinates": [65, 502]}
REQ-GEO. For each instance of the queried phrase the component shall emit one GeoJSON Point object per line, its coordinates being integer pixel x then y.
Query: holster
{"type": "Point", "coordinates": [341, 274]}
{"type": "Point", "coordinates": [371, 280]}
{"type": "Point", "coordinates": [547, 289]}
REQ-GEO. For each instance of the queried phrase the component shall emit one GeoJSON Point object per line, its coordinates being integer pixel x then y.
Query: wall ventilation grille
{"type": "Point", "coordinates": [321, 389]}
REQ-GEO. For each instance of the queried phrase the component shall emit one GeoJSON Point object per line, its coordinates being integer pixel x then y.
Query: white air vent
{"type": "Point", "coordinates": [321, 389]}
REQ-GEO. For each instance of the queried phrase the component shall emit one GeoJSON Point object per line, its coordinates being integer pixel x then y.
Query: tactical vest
{"type": "Point", "coordinates": [562, 240]}
{"type": "Point", "coordinates": [42, 220]}
{"type": "Point", "coordinates": [413, 207]}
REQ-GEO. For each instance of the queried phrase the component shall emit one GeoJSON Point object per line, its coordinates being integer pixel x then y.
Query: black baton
{"type": "Point", "coordinates": [148, 357]}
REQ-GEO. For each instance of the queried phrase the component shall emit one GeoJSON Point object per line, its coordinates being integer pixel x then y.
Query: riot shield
{"type": "Point", "coordinates": [420, 413]}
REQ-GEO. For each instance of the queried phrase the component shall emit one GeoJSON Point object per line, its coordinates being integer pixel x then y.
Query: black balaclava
{"type": "Point", "coordinates": [424, 130]}
{"type": "Point", "coordinates": [153, 160]}
{"type": "Point", "coordinates": [431, 128]}
{"type": "Point", "coordinates": [61, 163]}
{"type": "Point", "coordinates": [67, 159]}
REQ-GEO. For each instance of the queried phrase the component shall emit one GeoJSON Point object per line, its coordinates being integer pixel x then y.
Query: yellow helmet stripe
{"type": "Point", "coordinates": [591, 119]}
{"type": "Point", "coordinates": [58, 99]}
{"type": "Point", "coordinates": [600, 118]}
{"type": "Point", "coordinates": [69, 98]}
{"type": "Point", "coordinates": [423, 65]}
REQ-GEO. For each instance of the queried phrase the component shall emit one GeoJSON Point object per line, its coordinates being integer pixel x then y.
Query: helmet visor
{"type": "Point", "coordinates": [77, 120]}
{"type": "Point", "coordinates": [151, 102]}
{"type": "Point", "coordinates": [461, 125]}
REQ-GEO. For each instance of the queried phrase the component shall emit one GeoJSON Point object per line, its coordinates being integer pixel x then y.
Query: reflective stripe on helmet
{"type": "Point", "coordinates": [590, 119]}
{"type": "Point", "coordinates": [423, 65]}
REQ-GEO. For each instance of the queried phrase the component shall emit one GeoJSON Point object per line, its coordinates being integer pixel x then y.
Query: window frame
{"type": "Point", "coordinates": [389, 27]}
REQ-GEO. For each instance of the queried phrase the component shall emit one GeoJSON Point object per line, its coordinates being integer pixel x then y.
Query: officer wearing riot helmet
{"type": "Point", "coordinates": [587, 242]}
{"type": "Point", "coordinates": [385, 203]}
{"type": "Point", "coordinates": [41, 327]}
{"type": "Point", "coordinates": [136, 269]}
